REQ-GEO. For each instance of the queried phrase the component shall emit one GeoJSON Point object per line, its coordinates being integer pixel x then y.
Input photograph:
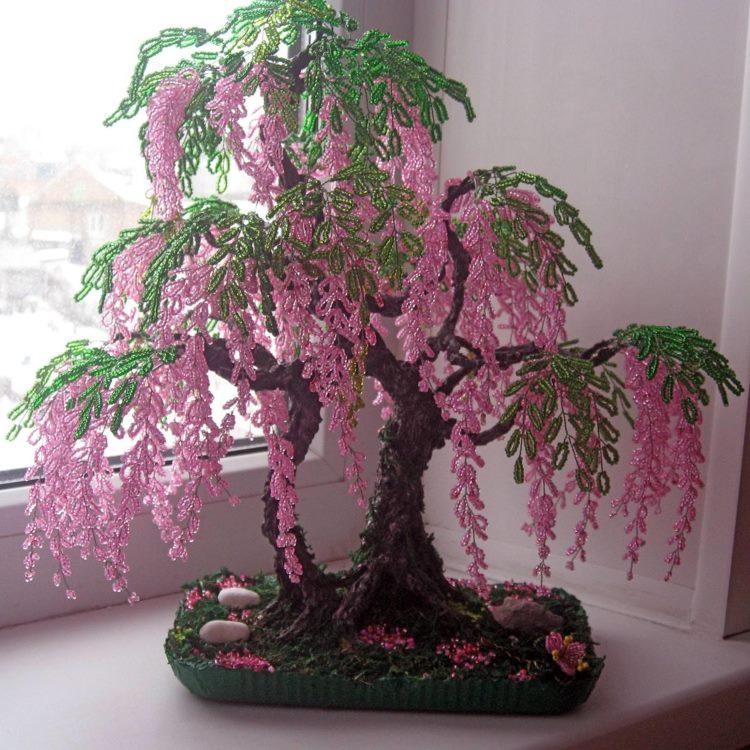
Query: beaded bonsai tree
{"type": "Point", "coordinates": [293, 306]}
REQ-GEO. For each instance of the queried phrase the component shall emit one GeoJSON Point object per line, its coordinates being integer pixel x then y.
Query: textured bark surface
{"type": "Point", "coordinates": [310, 602]}
{"type": "Point", "coordinates": [398, 559]}
{"type": "Point", "coordinates": [312, 598]}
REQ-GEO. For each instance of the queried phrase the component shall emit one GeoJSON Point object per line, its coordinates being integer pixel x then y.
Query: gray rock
{"type": "Point", "coordinates": [224, 631]}
{"type": "Point", "coordinates": [238, 598]}
{"type": "Point", "coordinates": [525, 616]}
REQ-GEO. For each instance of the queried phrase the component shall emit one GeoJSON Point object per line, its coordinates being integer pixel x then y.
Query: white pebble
{"type": "Point", "coordinates": [238, 598]}
{"type": "Point", "coordinates": [224, 631]}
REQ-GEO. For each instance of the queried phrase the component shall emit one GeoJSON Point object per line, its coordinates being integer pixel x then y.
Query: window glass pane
{"type": "Point", "coordinates": [67, 183]}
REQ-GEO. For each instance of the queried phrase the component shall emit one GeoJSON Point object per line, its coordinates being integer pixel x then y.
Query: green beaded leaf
{"type": "Point", "coordinates": [562, 451]}
{"type": "Point", "coordinates": [689, 410]}
{"type": "Point", "coordinates": [115, 382]}
{"type": "Point", "coordinates": [520, 252]}
{"type": "Point", "coordinates": [688, 358]}
{"type": "Point", "coordinates": [566, 400]}
{"type": "Point", "coordinates": [99, 274]}
{"type": "Point", "coordinates": [513, 444]}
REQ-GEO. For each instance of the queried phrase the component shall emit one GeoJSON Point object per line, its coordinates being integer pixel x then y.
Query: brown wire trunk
{"type": "Point", "coordinates": [400, 563]}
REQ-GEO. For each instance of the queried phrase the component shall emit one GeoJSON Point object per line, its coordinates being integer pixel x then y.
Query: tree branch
{"type": "Point", "coordinates": [493, 433]}
{"type": "Point", "coordinates": [299, 63]}
{"type": "Point", "coordinates": [269, 376]}
{"type": "Point", "coordinates": [603, 351]}
{"type": "Point", "coordinates": [400, 379]}
{"type": "Point", "coordinates": [455, 192]}
{"type": "Point", "coordinates": [389, 306]}
{"type": "Point", "coordinates": [511, 355]}
{"type": "Point", "coordinates": [506, 356]}
{"type": "Point", "coordinates": [291, 175]}
{"type": "Point", "coordinates": [445, 338]}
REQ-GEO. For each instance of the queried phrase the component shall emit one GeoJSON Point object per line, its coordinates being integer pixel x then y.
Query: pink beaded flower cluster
{"type": "Point", "coordinates": [523, 675]}
{"type": "Point", "coordinates": [195, 595]}
{"type": "Point", "coordinates": [243, 660]}
{"type": "Point", "coordinates": [567, 653]}
{"type": "Point", "coordinates": [246, 614]}
{"type": "Point", "coordinates": [233, 581]}
{"type": "Point", "coordinates": [526, 589]}
{"type": "Point", "coordinates": [390, 640]}
{"type": "Point", "coordinates": [465, 655]}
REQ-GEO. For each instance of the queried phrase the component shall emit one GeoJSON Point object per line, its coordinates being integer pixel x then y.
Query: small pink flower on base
{"type": "Point", "coordinates": [243, 660]}
{"type": "Point", "coordinates": [465, 655]}
{"type": "Point", "coordinates": [393, 640]}
{"type": "Point", "coordinates": [523, 675]}
{"type": "Point", "coordinates": [233, 582]}
{"type": "Point", "coordinates": [567, 653]}
{"type": "Point", "coordinates": [194, 596]}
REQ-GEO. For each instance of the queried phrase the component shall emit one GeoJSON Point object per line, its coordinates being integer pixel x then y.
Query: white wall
{"type": "Point", "coordinates": [393, 16]}
{"type": "Point", "coordinates": [634, 109]}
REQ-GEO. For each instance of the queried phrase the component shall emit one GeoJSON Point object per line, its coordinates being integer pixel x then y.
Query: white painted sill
{"type": "Point", "coordinates": [100, 679]}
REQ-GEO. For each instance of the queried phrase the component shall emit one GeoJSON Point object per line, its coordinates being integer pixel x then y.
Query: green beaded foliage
{"type": "Point", "coordinates": [521, 253]}
{"type": "Point", "coordinates": [381, 243]}
{"type": "Point", "coordinates": [99, 273]}
{"type": "Point", "coordinates": [261, 27]}
{"type": "Point", "coordinates": [378, 86]}
{"type": "Point", "coordinates": [199, 139]}
{"type": "Point", "coordinates": [373, 80]}
{"type": "Point", "coordinates": [114, 382]}
{"type": "Point", "coordinates": [688, 359]}
{"type": "Point", "coordinates": [563, 400]}
{"type": "Point", "coordinates": [236, 236]}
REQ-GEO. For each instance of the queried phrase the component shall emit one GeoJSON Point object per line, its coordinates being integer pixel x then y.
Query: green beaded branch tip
{"type": "Point", "coordinates": [688, 359]}
{"type": "Point", "coordinates": [373, 81]}
{"type": "Point", "coordinates": [578, 402]}
{"type": "Point", "coordinates": [115, 382]}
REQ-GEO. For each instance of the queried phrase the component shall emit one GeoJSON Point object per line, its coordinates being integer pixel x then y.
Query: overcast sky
{"type": "Point", "coordinates": [66, 64]}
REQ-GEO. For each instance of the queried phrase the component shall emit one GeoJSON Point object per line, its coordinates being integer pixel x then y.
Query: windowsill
{"type": "Point", "coordinates": [100, 679]}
